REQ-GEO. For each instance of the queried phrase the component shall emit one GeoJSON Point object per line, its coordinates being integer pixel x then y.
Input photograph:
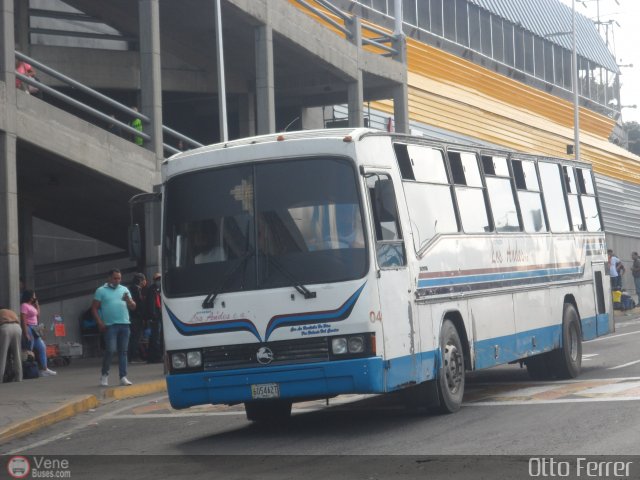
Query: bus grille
{"type": "Point", "coordinates": [284, 352]}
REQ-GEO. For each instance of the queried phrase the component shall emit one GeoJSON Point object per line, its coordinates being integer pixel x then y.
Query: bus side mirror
{"type": "Point", "coordinates": [135, 242]}
{"type": "Point", "coordinates": [386, 200]}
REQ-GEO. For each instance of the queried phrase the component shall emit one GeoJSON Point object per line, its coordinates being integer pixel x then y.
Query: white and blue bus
{"type": "Point", "coordinates": [311, 264]}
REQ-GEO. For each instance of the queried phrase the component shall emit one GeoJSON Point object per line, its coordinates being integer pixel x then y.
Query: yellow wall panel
{"type": "Point", "coordinates": [455, 94]}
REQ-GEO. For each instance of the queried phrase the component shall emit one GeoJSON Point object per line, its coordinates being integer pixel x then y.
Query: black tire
{"type": "Point", "coordinates": [451, 378]}
{"type": "Point", "coordinates": [567, 361]}
{"type": "Point", "coordinates": [268, 411]}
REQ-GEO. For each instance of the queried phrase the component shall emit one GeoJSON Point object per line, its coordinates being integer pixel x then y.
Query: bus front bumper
{"type": "Point", "coordinates": [294, 382]}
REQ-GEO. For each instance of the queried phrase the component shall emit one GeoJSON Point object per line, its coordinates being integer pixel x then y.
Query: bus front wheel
{"type": "Point", "coordinates": [567, 361]}
{"type": "Point", "coordinates": [452, 376]}
{"type": "Point", "coordinates": [268, 411]}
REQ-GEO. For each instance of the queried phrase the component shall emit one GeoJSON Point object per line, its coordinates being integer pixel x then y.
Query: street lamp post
{"type": "Point", "coordinates": [576, 99]}
{"type": "Point", "coordinates": [222, 90]}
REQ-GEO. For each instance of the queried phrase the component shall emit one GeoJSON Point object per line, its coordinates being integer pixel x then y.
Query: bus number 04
{"type": "Point", "coordinates": [375, 316]}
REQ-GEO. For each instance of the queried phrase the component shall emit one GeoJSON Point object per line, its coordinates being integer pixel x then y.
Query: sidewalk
{"type": "Point", "coordinates": [30, 405]}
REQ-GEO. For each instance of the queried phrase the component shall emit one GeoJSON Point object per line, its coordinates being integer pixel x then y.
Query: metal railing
{"type": "Point", "coordinates": [109, 121]}
{"type": "Point", "coordinates": [379, 42]}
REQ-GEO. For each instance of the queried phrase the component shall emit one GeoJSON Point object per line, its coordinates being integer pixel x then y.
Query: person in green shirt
{"type": "Point", "coordinates": [137, 124]}
{"type": "Point", "coordinates": [110, 308]}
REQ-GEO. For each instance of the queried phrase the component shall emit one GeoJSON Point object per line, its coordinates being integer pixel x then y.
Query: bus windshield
{"type": "Point", "coordinates": [263, 225]}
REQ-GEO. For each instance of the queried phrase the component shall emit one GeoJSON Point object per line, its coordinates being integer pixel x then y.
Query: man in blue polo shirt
{"type": "Point", "coordinates": [110, 308]}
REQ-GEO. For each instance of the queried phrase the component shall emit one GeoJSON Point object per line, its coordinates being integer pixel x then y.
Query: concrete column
{"type": "Point", "coordinates": [355, 88]}
{"type": "Point", "coordinates": [150, 74]}
{"type": "Point", "coordinates": [265, 96]}
{"type": "Point", "coordinates": [25, 217]}
{"type": "Point", "coordinates": [9, 250]}
{"type": "Point", "coordinates": [401, 91]}
{"type": "Point", "coordinates": [247, 115]}
{"type": "Point", "coordinates": [21, 9]}
{"type": "Point", "coordinates": [401, 108]}
{"type": "Point", "coordinates": [312, 118]}
{"type": "Point", "coordinates": [355, 102]}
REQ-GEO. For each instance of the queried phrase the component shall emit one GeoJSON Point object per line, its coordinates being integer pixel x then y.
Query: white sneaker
{"type": "Point", "coordinates": [124, 381]}
{"type": "Point", "coordinates": [48, 372]}
{"type": "Point", "coordinates": [104, 380]}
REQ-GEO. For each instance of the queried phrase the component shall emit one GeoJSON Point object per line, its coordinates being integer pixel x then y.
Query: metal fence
{"type": "Point", "coordinates": [105, 120]}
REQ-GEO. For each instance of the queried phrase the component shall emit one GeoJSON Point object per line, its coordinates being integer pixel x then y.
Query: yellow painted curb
{"type": "Point", "coordinates": [80, 405]}
{"type": "Point", "coordinates": [118, 393]}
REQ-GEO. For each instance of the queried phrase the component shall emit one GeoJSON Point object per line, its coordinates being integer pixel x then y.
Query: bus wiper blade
{"type": "Point", "coordinates": [302, 290]}
{"type": "Point", "coordinates": [211, 298]}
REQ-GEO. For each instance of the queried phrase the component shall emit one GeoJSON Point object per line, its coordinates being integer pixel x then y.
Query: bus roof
{"type": "Point", "coordinates": [358, 134]}
{"type": "Point", "coordinates": [336, 133]}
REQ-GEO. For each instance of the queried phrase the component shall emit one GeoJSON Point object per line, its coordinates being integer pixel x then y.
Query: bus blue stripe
{"type": "Point", "coordinates": [458, 280]}
{"type": "Point", "coordinates": [276, 322]}
{"type": "Point", "coordinates": [336, 315]}
{"type": "Point", "coordinates": [226, 326]}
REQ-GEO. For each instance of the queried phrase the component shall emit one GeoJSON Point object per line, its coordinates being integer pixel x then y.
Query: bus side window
{"type": "Point", "coordinates": [469, 192]}
{"type": "Point", "coordinates": [554, 197]}
{"type": "Point", "coordinates": [529, 198]}
{"type": "Point", "coordinates": [389, 244]}
{"type": "Point", "coordinates": [588, 201]}
{"type": "Point", "coordinates": [503, 205]}
{"type": "Point", "coordinates": [571, 189]}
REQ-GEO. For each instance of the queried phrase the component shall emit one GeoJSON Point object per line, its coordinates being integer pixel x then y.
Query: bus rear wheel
{"type": "Point", "coordinates": [567, 361]}
{"type": "Point", "coordinates": [268, 411]}
{"type": "Point", "coordinates": [452, 375]}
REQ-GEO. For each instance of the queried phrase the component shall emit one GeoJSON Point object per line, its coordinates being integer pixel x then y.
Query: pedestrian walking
{"type": "Point", "coordinates": [154, 315]}
{"type": "Point", "coordinates": [137, 317]}
{"type": "Point", "coordinates": [635, 271]}
{"type": "Point", "coordinates": [615, 270]}
{"type": "Point", "coordinates": [110, 307]}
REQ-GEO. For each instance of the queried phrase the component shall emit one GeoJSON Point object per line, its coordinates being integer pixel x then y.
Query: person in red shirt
{"type": "Point", "coordinates": [26, 69]}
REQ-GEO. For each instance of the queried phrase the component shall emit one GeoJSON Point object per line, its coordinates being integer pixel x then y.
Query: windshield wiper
{"type": "Point", "coordinates": [295, 283]}
{"type": "Point", "coordinates": [211, 298]}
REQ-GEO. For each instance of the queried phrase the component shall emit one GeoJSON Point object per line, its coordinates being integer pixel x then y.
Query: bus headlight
{"type": "Point", "coordinates": [178, 360]}
{"type": "Point", "coordinates": [355, 344]}
{"type": "Point", "coordinates": [194, 359]}
{"type": "Point", "coordinates": [339, 345]}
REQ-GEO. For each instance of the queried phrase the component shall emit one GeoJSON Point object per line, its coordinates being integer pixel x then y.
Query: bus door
{"type": "Point", "coordinates": [601, 290]}
{"type": "Point", "coordinates": [397, 310]}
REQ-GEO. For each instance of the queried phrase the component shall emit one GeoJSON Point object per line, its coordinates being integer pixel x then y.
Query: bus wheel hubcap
{"type": "Point", "coordinates": [452, 367]}
{"type": "Point", "coordinates": [573, 338]}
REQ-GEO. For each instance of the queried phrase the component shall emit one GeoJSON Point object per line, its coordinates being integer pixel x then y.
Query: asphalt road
{"type": "Point", "coordinates": [504, 413]}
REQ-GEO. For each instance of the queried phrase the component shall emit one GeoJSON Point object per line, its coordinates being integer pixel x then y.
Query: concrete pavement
{"type": "Point", "coordinates": [33, 404]}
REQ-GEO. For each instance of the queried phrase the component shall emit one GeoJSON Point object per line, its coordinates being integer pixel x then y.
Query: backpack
{"type": "Point", "coordinates": [30, 369]}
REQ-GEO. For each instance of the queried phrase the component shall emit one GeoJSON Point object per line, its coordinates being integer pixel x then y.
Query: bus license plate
{"type": "Point", "coordinates": [265, 390]}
